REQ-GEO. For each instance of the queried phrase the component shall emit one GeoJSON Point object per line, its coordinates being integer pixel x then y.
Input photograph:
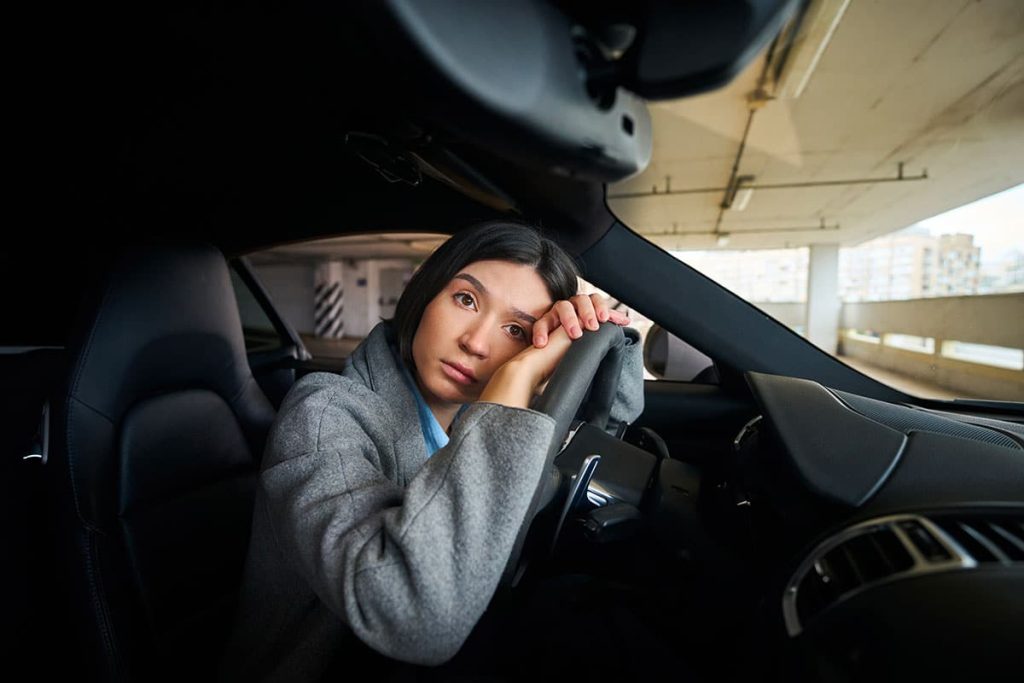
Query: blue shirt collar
{"type": "Point", "coordinates": [434, 437]}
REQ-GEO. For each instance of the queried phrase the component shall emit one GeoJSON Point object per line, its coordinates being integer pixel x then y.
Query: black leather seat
{"type": "Point", "coordinates": [155, 448]}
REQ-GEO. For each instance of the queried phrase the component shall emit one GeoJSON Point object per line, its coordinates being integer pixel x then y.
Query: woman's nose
{"type": "Point", "coordinates": [474, 341]}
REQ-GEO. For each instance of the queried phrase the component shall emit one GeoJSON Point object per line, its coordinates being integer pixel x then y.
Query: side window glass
{"type": "Point", "coordinates": [666, 356]}
{"type": "Point", "coordinates": [257, 328]}
{"type": "Point", "coordinates": [333, 291]}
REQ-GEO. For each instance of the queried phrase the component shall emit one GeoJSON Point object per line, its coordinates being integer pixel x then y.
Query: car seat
{"type": "Point", "coordinates": [154, 452]}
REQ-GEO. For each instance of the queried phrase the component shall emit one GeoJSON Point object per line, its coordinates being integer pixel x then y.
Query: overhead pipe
{"type": "Point", "coordinates": [899, 178]}
{"type": "Point", "coordinates": [814, 228]}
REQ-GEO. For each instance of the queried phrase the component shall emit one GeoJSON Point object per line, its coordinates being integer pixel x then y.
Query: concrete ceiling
{"type": "Point", "coordinates": [937, 85]}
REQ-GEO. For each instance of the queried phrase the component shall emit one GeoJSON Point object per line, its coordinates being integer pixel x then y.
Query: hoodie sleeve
{"type": "Point", "coordinates": [409, 570]}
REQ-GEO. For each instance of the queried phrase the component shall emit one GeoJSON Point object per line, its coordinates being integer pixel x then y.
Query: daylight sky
{"type": "Point", "coordinates": [997, 222]}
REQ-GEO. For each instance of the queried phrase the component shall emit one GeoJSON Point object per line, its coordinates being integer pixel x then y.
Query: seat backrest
{"type": "Point", "coordinates": [154, 451]}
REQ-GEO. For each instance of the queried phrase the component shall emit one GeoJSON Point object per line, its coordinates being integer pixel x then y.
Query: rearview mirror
{"type": "Point", "coordinates": [683, 48]}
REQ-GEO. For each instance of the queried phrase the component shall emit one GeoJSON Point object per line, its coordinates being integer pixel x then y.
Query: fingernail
{"type": "Point", "coordinates": [541, 339]}
{"type": "Point", "coordinates": [592, 324]}
{"type": "Point", "coordinates": [575, 331]}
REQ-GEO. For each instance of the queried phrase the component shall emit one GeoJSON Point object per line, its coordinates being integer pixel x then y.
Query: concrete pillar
{"type": "Point", "coordinates": [372, 288]}
{"type": "Point", "coordinates": [357, 298]}
{"type": "Point", "coordinates": [329, 301]}
{"type": "Point", "coordinates": [823, 304]}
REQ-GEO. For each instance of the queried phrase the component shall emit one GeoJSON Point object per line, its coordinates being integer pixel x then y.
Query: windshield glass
{"type": "Point", "coordinates": [860, 182]}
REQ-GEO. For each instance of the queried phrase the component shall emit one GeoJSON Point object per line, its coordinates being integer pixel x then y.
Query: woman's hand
{"type": "Point", "coordinates": [573, 315]}
{"type": "Point", "coordinates": [525, 374]}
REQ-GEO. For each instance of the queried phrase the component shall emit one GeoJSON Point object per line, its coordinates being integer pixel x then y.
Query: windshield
{"type": "Point", "coordinates": [860, 182]}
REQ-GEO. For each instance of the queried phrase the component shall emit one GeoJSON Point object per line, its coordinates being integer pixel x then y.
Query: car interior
{"type": "Point", "coordinates": [780, 517]}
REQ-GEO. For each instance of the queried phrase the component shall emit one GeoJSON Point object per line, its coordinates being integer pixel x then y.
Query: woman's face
{"type": "Point", "coordinates": [482, 318]}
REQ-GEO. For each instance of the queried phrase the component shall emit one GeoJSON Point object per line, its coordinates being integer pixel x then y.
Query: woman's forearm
{"type": "Point", "coordinates": [513, 385]}
{"type": "Point", "coordinates": [515, 382]}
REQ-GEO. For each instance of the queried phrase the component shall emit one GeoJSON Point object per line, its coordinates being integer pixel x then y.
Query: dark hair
{"type": "Point", "coordinates": [498, 240]}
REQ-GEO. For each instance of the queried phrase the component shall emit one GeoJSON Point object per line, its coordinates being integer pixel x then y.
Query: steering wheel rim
{"type": "Point", "coordinates": [594, 361]}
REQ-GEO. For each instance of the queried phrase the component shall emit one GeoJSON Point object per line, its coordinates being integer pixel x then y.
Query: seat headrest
{"type": "Point", "coordinates": [166, 320]}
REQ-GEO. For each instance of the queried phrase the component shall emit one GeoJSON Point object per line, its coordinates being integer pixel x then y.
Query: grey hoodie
{"type": "Point", "coordinates": [356, 530]}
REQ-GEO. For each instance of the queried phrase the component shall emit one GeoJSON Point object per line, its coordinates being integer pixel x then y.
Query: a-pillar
{"type": "Point", "coordinates": [823, 304]}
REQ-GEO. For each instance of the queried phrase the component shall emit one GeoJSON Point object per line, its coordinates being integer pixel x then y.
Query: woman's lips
{"type": "Point", "coordinates": [459, 373]}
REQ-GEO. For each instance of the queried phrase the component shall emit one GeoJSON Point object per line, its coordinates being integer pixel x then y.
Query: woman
{"type": "Point", "coordinates": [390, 496]}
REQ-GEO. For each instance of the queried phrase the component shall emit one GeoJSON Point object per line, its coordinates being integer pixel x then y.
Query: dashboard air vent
{"type": "Point", "coordinates": [890, 548]}
{"type": "Point", "coordinates": [987, 538]}
{"type": "Point", "coordinates": [865, 558]}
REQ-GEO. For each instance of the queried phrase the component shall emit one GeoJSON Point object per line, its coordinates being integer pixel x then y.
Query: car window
{"type": "Point", "coordinates": [666, 356]}
{"type": "Point", "coordinates": [257, 327]}
{"type": "Point", "coordinates": [932, 309]}
{"type": "Point", "coordinates": [333, 292]}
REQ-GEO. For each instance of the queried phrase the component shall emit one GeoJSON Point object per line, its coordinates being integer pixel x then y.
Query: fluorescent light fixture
{"type": "Point", "coordinates": [817, 27]}
{"type": "Point", "coordinates": [742, 198]}
{"type": "Point", "coordinates": [738, 195]}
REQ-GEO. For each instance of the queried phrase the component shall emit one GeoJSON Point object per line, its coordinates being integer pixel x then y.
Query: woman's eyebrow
{"type": "Point", "coordinates": [473, 281]}
{"type": "Point", "coordinates": [483, 290]}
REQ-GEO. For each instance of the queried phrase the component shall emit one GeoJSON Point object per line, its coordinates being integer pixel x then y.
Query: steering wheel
{"type": "Point", "coordinates": [593, 361]}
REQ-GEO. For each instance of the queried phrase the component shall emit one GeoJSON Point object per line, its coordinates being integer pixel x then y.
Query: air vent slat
{"type": "Point", "coordinates": [924, 541]}
{"type": "Point", "coordinates": [867, 558]}
{"type": "Point", "coordinates": [1011, 545]}
{"type": "Point", "coordinates": [881, 553]}
{"type": "Point", "coordinates": [966, 541]}
{"type": "Point", "coordinates": [851, 562]}
{"type": "Point", "coordinates": [987, 538]}
{"type": "Point", "coordinates": [994, 550]}
{"type": "Point", "coordinates": [893, 550]}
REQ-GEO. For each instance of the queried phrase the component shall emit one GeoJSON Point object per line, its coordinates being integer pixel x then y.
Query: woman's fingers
{"type": "Point", "coordinates": [562, 314]}
{"type": "Point", "coordinates": [574, 314]}
{"type": "Point", "coordinates": [605, 312]}
{"type": "Point", "coordinates": [541, 362]}
{"type": "Point", "coordinates": [543, 328]}
{"type": "Point", "coordinates": [601, 308]}
{"type": "Point", "coordinates": [618, 317]}
{"type": "Point", "coordinates": [585, 311]}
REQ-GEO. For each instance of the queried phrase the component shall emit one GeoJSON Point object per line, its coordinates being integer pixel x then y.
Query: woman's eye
{"type": "Point", "coordinates": [517, 332]}
{"type": "Point", "coordinates": [465, 299]}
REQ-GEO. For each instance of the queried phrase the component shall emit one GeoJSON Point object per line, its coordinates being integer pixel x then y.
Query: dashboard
{"type": "Point", "coordinates": [843, 539]}
{"type": "Point", "coordinates": [900, 531]}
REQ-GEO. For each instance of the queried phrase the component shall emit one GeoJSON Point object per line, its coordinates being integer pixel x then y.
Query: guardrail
{"type": "Point", "coordinates": [931, 340]}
